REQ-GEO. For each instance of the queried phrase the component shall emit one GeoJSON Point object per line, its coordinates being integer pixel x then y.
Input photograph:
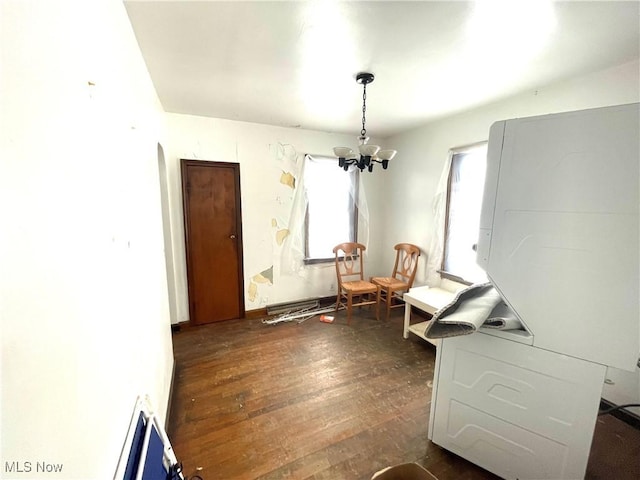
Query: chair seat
{"type": "Point", "coordinates": [390, 282]}
{"type": "Point", "coordinates": [359, 286]}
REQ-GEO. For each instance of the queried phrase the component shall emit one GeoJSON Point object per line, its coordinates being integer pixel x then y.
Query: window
{"type": "Point", "coordinates": [331, 207]}
{"type": "Point", "coordinates": [464, 201]}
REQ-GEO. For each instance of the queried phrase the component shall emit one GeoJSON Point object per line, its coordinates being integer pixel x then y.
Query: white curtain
{"type": "Point", "coordinates": [439, 209]}
{"type": "Point", "coordinates": [293, 248]}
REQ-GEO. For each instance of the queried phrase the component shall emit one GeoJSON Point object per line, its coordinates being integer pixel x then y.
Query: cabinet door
{"type": "Point", "coordinates": [515, 410]}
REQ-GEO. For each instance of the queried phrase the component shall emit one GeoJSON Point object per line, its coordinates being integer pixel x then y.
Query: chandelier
{"type": "Point", "coordinates": [368, 154]}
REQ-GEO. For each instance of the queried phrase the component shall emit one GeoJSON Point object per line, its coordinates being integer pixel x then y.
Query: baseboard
{"type": "Point", "coordinates": [625, 415]}
{"type": "Point", "coordinates": [327, 300]}
{"type": "Point", "coordinates": [257, 313]}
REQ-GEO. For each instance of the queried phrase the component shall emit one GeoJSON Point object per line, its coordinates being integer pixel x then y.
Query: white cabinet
{"type": "Point", "coordinates": [515, 410]}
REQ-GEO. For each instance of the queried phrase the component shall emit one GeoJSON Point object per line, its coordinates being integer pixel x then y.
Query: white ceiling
{"type": "Point", "coordinates": [293, 63]}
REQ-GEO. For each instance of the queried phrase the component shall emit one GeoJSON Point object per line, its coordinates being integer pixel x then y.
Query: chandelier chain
{"type": "Point", "coordinates": [363, 132]}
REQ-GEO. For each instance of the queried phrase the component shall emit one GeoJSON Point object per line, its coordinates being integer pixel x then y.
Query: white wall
{"type": "Point", "coordinates": [422, 152]}
{"type": "Point", "coordinates": [259, 151]}
{"type": "Point", "coordinates": [84, 311]}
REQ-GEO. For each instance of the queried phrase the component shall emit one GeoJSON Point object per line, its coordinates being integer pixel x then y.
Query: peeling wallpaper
{"type": "Point", "coordinates": [270, 161]}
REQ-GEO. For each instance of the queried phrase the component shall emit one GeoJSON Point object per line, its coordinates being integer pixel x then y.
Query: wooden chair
{"type": "Point", "coordinates": [353, 289]}
{"type": "Point", "coordinates": [401, 280]}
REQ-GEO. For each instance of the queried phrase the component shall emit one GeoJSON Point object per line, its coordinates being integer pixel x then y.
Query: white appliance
{"type": "Point", "coordinates": [559, 239]}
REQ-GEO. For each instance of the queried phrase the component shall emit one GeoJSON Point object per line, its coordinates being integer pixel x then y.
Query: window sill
{"type": "Point", "coordinates": [316, 261]}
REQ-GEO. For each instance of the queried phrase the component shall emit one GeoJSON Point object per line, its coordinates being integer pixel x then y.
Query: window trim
{"type": "Point", "coordinates": [444, 273]}
{"type": "Point", "coordinates": [353, 227]}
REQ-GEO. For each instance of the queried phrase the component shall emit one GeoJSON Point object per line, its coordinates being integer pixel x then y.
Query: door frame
{"type": "Point", "coordinates": [184, 164]}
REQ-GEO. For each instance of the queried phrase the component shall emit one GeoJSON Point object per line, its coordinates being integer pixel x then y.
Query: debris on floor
{"type": "Point", "coordinates": [300, 315]}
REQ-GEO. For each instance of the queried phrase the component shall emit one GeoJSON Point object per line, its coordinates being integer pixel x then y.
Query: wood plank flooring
{"type": "Point", "coordinates": [324, 401]}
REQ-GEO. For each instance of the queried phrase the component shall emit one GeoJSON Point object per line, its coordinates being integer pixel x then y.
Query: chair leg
{"type": "Point", "coordinates": [383, 296]}
{"type": "Point", "coordinates": [378, 304]}
{"type": "Point", "coordinates": [349, 306]}
{"type": "Point", "coordinates": [389, 300]}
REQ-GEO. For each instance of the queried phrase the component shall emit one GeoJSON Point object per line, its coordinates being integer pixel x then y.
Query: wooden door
{"type": "Point", "coordinates": [213, 231]}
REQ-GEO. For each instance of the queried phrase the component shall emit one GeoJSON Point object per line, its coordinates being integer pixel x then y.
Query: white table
{"type": "Point", "coordinates": [427, 299]}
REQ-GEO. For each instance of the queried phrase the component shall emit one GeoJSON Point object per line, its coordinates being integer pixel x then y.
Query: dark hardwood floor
{"type": "Point", "coordinates": [325, 401]}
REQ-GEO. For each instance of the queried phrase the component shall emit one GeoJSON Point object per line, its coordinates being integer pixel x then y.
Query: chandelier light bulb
{"type": "Point", "coordinates": [342, 152]}
{"type": "Point", "coordinates": [386, 154]}
{"type": "Point", "coordinates": [368, 150]}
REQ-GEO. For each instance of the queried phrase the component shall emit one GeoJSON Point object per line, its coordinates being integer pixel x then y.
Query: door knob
{"type": "Point", "coordinates": [232, 236]}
